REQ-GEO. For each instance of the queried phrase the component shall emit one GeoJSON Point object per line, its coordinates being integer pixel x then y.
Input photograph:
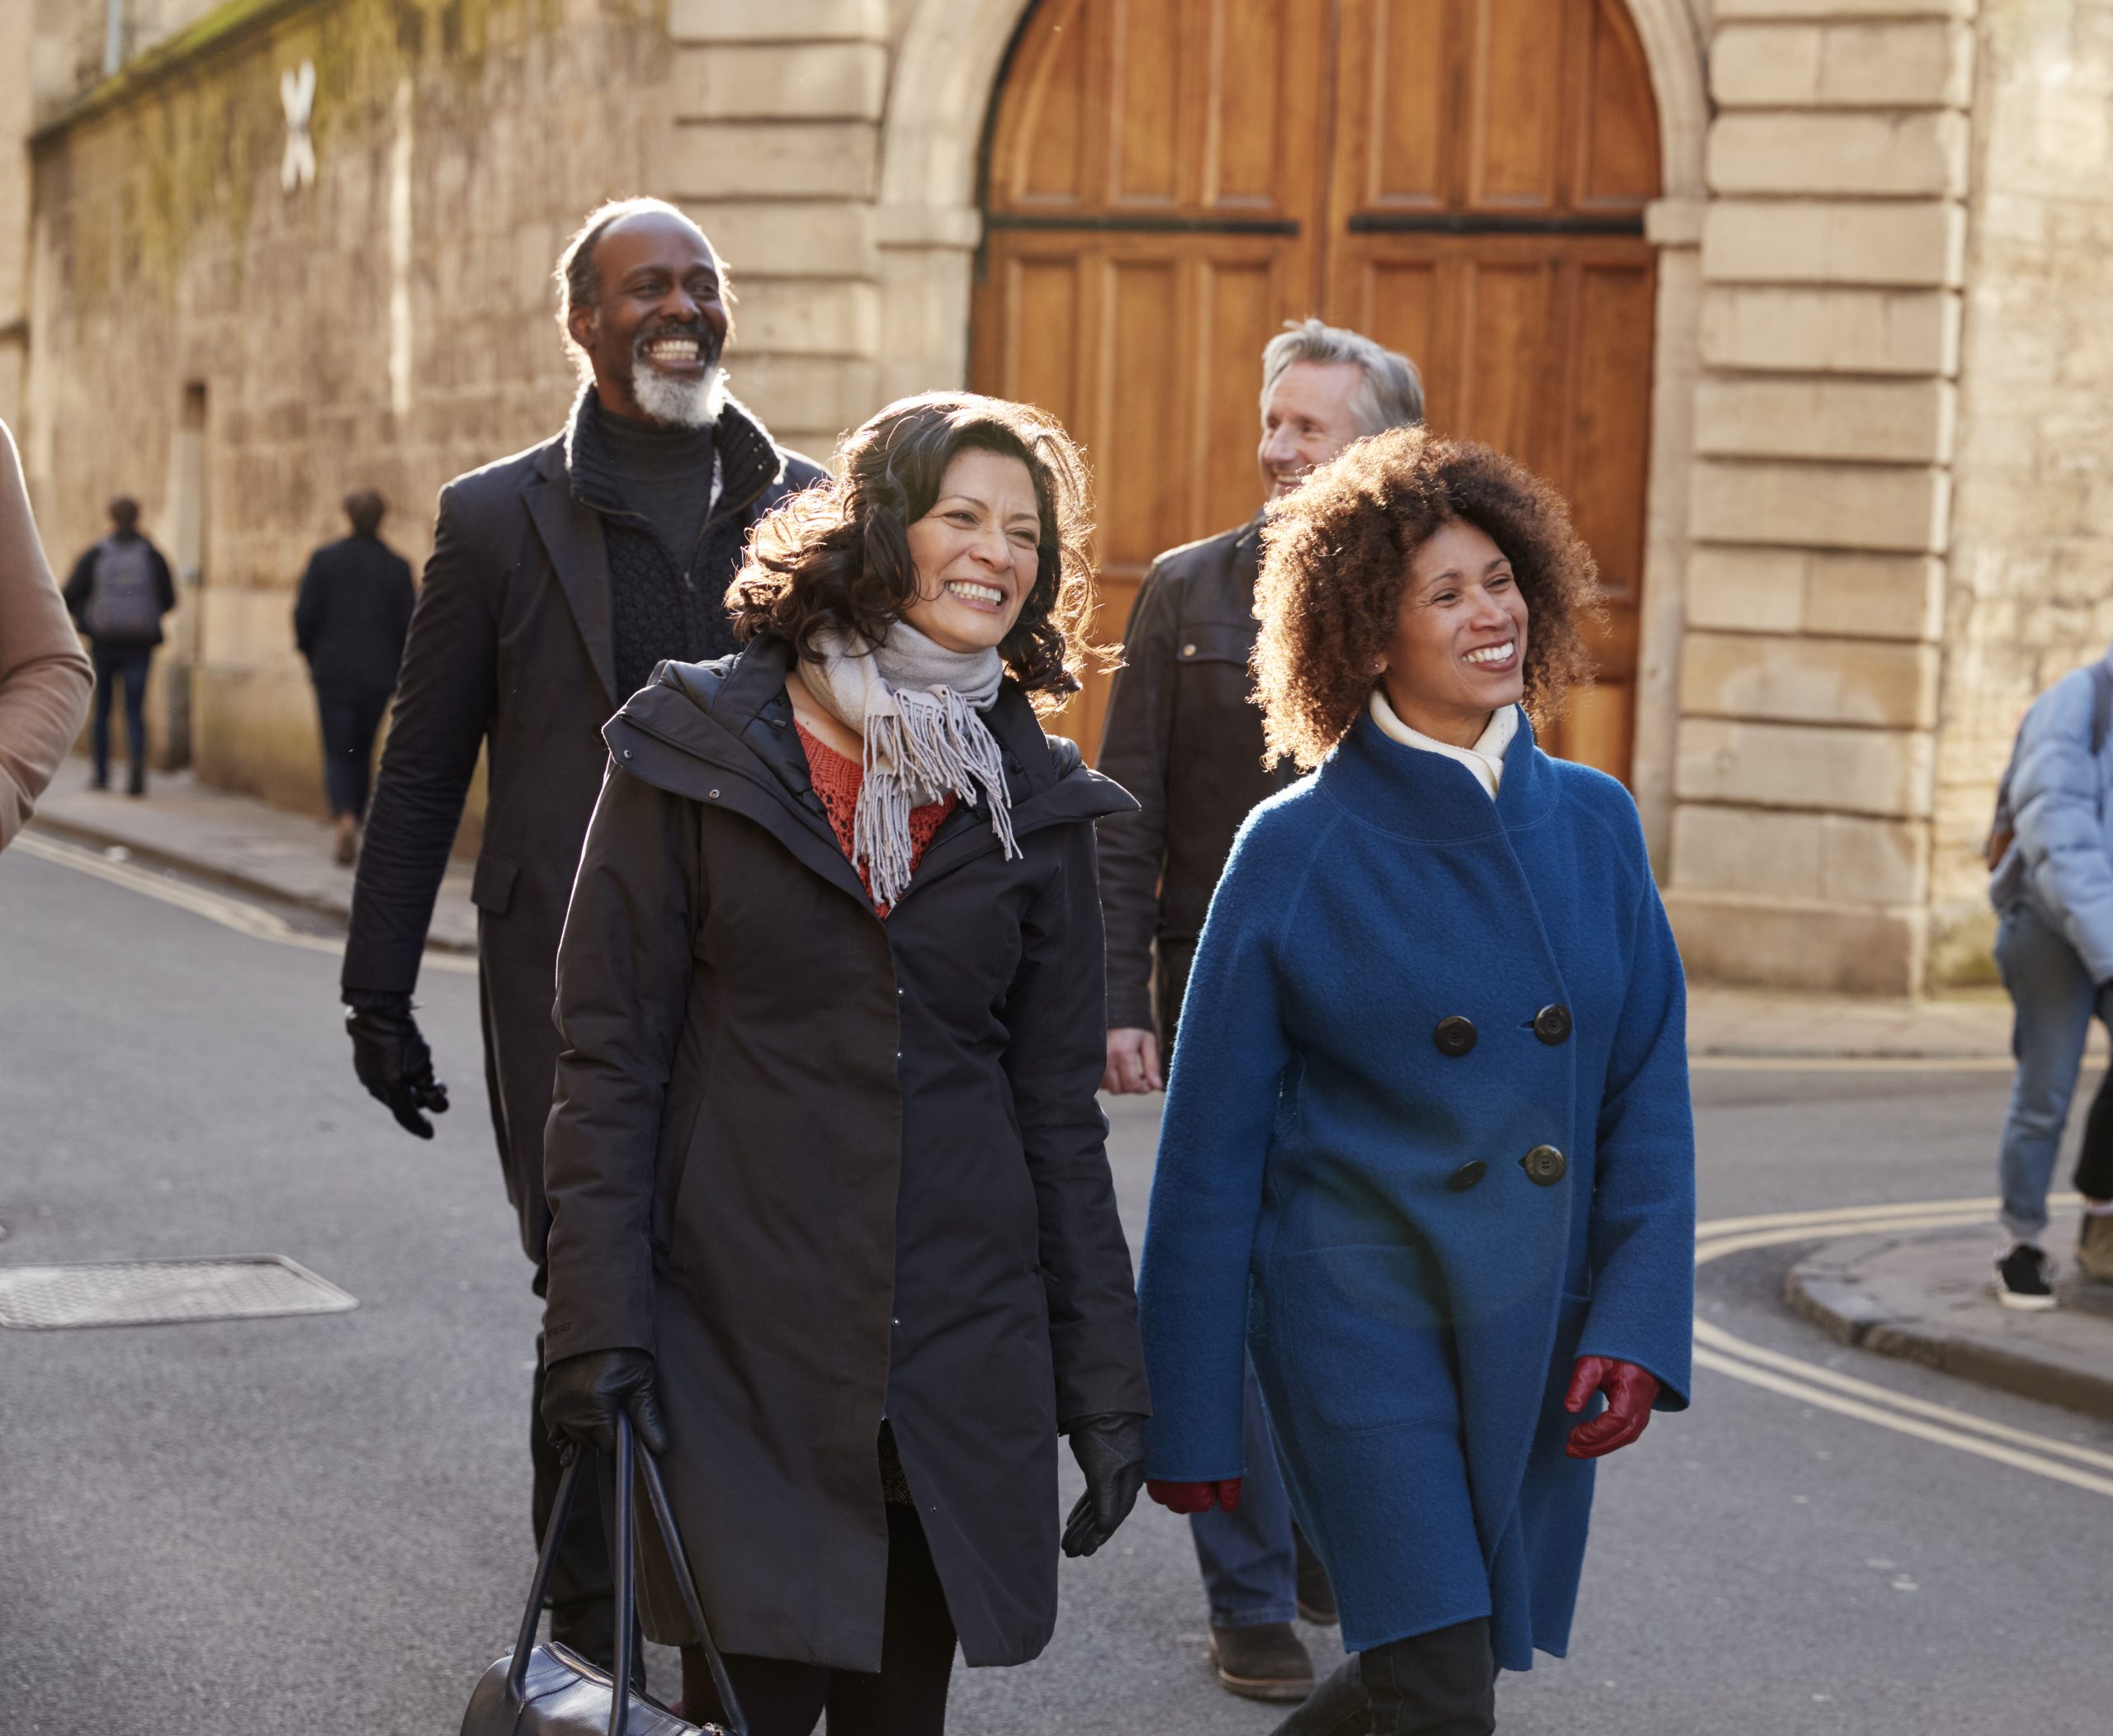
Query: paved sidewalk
{"type": "Point", "coordinates": [248, 843]}
{"type": "Point", "coordinates": [1926, 1296]}
{"type": "Point", "coordinates": [237, 840]}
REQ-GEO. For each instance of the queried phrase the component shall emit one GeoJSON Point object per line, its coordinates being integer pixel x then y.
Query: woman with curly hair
{"type": "Point", "coordinates": [832, 1218]}
{"type": "Point", "coordinates": [1427, 1149]}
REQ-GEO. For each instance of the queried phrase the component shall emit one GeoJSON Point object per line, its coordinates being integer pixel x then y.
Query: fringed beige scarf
{"type": "Point", "coordinates": [915, 704]}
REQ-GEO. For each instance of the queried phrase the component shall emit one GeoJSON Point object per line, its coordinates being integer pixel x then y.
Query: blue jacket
{"type": "Point", "coordinates": [1414, 1321]}
{"type": "Point", "coordinates": [2060, 860]}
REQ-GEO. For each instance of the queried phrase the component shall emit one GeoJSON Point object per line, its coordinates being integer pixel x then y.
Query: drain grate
{"type": "Point", "coordinates": [163, 1292]}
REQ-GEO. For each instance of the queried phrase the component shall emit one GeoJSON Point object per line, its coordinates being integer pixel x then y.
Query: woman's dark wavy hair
{"type": "Point", "coordinates": [838, 554]}
{"type": "Point", "coordinates": [1336, 561]}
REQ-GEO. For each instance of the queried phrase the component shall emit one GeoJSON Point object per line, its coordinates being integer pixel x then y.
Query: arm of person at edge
{"type": "Point", "coordinates": [623, 983]}
{"type": "Point", "coordinates": [309, 607]}
{"type": "Point", "coordinates": [164, 580]}
{"type": "Point", "coordinates": [444, 698]}
{"type": "Point", "coordinates": [79, 582]}
{"type": "Point", "coordinates": [45, 676]}
{"type": "Point", "coordinates": [1637, 1341]}
{"type": "Point", "coordinates": [1207, 1190]}
{"type": "Point", "coordinates": [2055, 796]}
{"type": "Point", "coordinates": [1054, 1010]}
{"type": "Point", "coordinates": [1134, 750]}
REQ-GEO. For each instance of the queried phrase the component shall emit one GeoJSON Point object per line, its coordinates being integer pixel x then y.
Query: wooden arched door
{"type": "Point", "coordinates": [1167, 181]}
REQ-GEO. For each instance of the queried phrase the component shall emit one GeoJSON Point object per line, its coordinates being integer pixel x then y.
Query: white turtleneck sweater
{"type": "Point", "coordinates": [1485, 759]}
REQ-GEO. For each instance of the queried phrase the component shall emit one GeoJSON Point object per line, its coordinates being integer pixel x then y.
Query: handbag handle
{"type": "Point", "coordinates": [624, 1565]}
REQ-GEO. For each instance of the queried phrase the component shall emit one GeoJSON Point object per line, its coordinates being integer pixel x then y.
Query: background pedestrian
{"type": "Point", "coordinates": [44, 677]}
{"type": "Point", "coordinates": [829, 1183]}
{"type": "Point", "coordinates": [1184, 738]}
{"type": "Point", "coordinates": [1447, 1024]}
{"type": "Point", "coordinates": [559, 578]}
{"type": "Point", "coordinates": [2052, 853]}
{"type": "Point", "coordinates": [118, 591]}
{"type": "Point", "coordinates": [351, 617]}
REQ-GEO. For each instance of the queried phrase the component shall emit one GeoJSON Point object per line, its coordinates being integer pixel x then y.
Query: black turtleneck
{"type": "Point", "coordinates": [664, 472]}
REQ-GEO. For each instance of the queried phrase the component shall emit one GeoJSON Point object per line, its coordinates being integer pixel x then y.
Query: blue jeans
{"type": "Point", "coordinates": [1251, 1568]}
{"type": "Point", "coordinates": [125, 663]}
{"type": "Point", "coordinates": [2055, 1001]}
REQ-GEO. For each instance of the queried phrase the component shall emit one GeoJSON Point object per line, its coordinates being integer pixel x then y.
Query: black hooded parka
{"type": "Point", "coordinates": [829, 1168]}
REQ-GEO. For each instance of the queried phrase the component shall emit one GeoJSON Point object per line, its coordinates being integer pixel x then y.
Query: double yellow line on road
{"type": "Point", "coordinates": [1792, 1377]}
{"type": "Point", "coordinates": [228, 910]}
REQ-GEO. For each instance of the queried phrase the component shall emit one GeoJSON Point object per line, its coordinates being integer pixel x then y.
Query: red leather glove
{"type": "Point", "coordinates": [1630, 1394]}
{"type": "Point", "coordinates": [1196, 1497]}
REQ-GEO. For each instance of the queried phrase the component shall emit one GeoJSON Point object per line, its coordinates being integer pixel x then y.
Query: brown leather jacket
{"type": "Point", "coordinates": [1183, 737]}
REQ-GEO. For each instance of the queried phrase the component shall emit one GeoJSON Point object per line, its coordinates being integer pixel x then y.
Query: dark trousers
{"type": "Point", "coordinates": [582, 1596]}
{"type": "Point", "coordinates": [908, 1697]}
{"type": "Point", "coordinates": [2094, 1173]}
{"type": "Point", "coordinates": [129, 664]}
{"type": "Point", "coordinates": [351, 718]}
{"type": "Point", "coordinates": [1442, 1683]}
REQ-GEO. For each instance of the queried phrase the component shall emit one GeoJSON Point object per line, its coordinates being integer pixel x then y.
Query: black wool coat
{"type": "Point", "coordinates": [510, 654]}
{"type": "Point", "coordinates": [1184, 736]}
{"type": "Point", "coordinates": [829, 1168]}
{"type": "Point", "coordinates": [352, 614]}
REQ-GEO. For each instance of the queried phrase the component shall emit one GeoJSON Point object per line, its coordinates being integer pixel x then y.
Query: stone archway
{"type": "Point", "coordinates": [944, 79]}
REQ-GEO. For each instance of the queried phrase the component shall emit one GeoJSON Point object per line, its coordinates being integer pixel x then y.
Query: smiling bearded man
{"type": "Point", "coordinates": [559, 577]}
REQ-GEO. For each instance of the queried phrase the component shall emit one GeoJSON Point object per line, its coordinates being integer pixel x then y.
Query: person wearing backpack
{"type": "Point", "coordinates": [2050, 852]}
{"type": "Point", "coordinates": [118, 593]}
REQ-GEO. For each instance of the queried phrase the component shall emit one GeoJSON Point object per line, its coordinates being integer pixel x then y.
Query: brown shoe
{"type": "Point", "coordinates": [2094, 1247]}
{"type": "Point", "coordinates": [346, 848]}
{"type": "Point", "coordinates": [1263, 1662]}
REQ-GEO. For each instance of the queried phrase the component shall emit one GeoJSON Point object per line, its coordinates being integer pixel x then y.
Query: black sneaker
{"type": "Point", "coordinates": [2024, 1279]}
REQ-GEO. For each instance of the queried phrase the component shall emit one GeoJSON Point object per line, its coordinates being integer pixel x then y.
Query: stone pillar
{"type": "Point", "coordinates": [777, 140]}
{"type": "Point", "coordinates": [1832, 264]}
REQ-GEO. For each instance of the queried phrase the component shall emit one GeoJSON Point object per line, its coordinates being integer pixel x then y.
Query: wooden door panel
{"type": "Point", "coordinates": [1151, 142]}
{"type": "Point", "coordinates": [1609, 413]}
{"type": "Point", "coordinates": [1241, 304]}
{"type": "Point", "coordinates": [1615, 148]}
{"type": "Point", "coordinates": [1514, 80]}
{"type": "Point", "coordinates": [1397, 67]}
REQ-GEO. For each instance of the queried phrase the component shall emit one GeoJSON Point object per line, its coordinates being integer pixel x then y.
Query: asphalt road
{"type": "Point", "coordinates": [319, 1523]}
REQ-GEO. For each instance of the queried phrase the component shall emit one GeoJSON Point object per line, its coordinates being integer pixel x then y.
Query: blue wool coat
{"type": "Point", "coordinates": [1414, 1338]}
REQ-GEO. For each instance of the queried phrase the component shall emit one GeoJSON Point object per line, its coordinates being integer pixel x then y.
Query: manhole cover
{"type": "Point", "coordinates": [163, 1292]}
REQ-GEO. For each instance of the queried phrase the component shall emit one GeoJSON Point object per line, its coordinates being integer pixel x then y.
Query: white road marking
{"type": "Point", "coordinates": [1794, 1377]}
{"type": "Point", "coordinates": [1855, 1063]}
{"type": "Point", "coordinates": [226, 908]}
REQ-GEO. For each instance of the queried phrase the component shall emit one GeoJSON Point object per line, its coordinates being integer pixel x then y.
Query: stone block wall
{"type": "Point", "coordinates": [777, 111]}
{"type": "Point", "coordinates": [390, 326]}
{"type": "Point", "coordinates": [1826, 416]}
{"type": "Point", "coordinates": [2029, 594]}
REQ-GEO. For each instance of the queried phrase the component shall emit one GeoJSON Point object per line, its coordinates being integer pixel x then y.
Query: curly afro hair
{"type": "Point", "coordinates": [838, 554]}
{"type": "Point", "coordinates": [1337, 558]}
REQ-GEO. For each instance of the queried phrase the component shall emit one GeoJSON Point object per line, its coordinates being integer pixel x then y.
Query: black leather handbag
{"type": "Point", "coordinates": [550, 1690]}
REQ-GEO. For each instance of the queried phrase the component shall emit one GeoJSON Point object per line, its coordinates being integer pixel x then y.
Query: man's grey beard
{"type": "Point", "coordinates": [675, 402]}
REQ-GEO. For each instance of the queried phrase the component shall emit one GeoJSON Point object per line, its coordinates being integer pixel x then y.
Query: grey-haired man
{"type": "Point", "coordinates": [1184, 738]}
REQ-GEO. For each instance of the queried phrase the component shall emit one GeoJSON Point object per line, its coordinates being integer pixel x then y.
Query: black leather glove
{"type": "Point", "coordinates": [1110, 1451]}
{"type": "Point", "coordinates": [583, 1394]}
{"type": "Point", "coordinates": [393, 1061]}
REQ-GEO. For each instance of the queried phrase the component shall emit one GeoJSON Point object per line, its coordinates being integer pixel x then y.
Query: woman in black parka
{"type": "Point", "coordinates": [832, 1218]}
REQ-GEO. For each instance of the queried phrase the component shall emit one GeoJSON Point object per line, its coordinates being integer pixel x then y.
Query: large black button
{"type": "Point", "coordinates": [1544, 1165]}
{"type": "Point", "coordinates": [1466, 1175]}
{"type": "Point", "coordinates": [1551, 1025]}
{"type": "Point", "coordinates": [1454, 1036]}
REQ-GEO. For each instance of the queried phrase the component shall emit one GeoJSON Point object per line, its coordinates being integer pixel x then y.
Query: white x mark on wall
{"type": "Point", "coordinates": [297, 96]}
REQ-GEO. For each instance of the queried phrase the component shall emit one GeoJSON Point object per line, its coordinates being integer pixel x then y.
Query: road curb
{"type": "Point", "coordinates": [1838, 1290]}
{"type": "Point", "coordinates": [73, 831]}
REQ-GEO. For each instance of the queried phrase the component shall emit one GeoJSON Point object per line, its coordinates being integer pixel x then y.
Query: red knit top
{"type": "Point", "coordinates": [836, 780]}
